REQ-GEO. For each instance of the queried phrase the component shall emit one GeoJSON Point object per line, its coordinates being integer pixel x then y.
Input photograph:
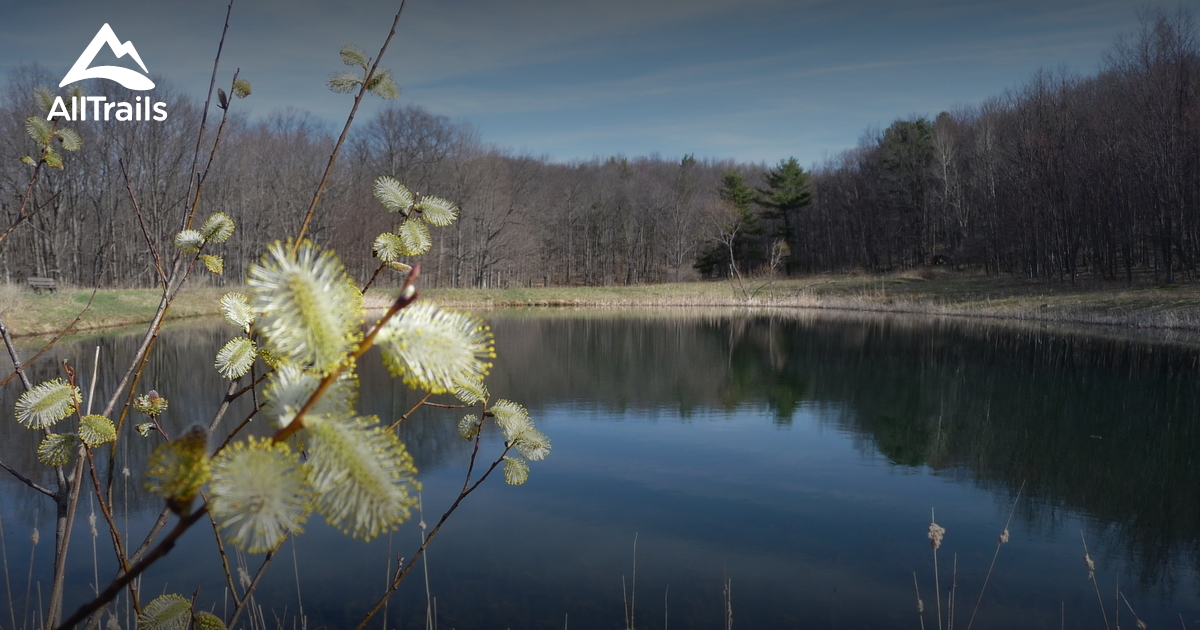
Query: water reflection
{"type": "Point", "coordinates": [799, 452]}
{"type": "Point", "coordinates": [1104, 425]}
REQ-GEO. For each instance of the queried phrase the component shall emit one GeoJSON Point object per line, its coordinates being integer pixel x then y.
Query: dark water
{"type": "Point", "coordinates": [797, 455]}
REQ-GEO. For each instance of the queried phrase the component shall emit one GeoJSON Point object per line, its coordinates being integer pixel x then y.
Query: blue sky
{"type": "Point", "coordinates": [751, 80]}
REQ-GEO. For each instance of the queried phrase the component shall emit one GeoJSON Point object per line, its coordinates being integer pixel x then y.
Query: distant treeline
{"type": "Point", "coordinates": [1061, 176]}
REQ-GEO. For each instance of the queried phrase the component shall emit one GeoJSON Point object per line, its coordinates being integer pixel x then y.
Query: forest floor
{"type": "Point", "coordinates": [931, 292]}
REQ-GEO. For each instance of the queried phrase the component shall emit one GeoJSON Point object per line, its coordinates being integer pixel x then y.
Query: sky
{"type": "Point", "coordinates": [567, 80]}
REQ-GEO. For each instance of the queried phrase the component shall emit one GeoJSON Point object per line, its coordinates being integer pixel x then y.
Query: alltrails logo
{"type": "Point", "coordinates": [140, 109]}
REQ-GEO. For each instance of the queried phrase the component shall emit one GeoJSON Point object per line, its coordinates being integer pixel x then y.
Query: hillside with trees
{"type": "Point", "coordinates": [1063, 176]}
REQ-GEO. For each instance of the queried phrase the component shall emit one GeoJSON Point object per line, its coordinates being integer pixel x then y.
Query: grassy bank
{"type": "Point", "coordinates": [28, 313]}
{"type": "Point", "coordinates": [930, 292]}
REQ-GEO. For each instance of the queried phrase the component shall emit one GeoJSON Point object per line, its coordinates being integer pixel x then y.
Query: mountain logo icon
{"type": "Point", "coordinates": [129, 78]}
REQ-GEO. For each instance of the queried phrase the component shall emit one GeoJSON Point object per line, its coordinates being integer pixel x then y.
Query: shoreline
{"type": "Point", "coordinates": [918, 293]}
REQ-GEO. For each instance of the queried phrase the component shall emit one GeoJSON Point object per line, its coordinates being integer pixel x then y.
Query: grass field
{"type": "Point", "coordinates": [932, 292]}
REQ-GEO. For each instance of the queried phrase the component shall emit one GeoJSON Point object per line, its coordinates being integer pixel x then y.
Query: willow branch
{"type": "Point", "coordinates": [25, 480]}
{"type": "Point", "coordinates": [373, 276]}
{"type": "Point", "coordinates": [115, 533]}
{"type": "Point", "coordinates": [408, 295]}
{"type": "Point", "coordinates": [224, 557]}
{"type": "Point", "coordinates": [312, 208]}
{"type": "Point", "coordinates": [400, 574]}
{"type": "Point", "coordinates": [212, 82]}
{"type": "Point", "coordinates": [410, 411]}
{"type": "Point", "coordinates": [114, 588]}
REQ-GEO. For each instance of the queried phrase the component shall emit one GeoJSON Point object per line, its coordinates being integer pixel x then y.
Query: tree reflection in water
{"type": "Point", "coordinates": [1100, 426]}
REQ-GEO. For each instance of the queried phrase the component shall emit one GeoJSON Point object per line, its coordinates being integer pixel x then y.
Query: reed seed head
{"type": "Point", "coordinates": [936, 532]}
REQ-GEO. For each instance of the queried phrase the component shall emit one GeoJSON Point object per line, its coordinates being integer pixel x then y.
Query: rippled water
{"type": "Point", "coordinates": [798, 455]}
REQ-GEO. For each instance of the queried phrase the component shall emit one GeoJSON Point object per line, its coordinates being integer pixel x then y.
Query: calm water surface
{"type": "Point", "coordinates": [798, 455]}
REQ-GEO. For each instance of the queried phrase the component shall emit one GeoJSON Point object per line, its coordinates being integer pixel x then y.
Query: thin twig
{"type": "Point", "coordinates": [137, 209]}
{"type": "Point", "coordinates": [224, 557]}
{"type": "Point", "coordinates": [442, 406]}
{"type": "Point", "coordinates": [410, 412]}
{"type": "Point", "coordinates": [18, 367]}
{"type": "Point", "coordinates": [212, 83]}
{"type": "Point", "coordinates": [115, 533]}
{"type": "Point", "coordinates": [312, 208]}
{"type": "Point", "coordinates": [21, 216]}
{"type": "Point", "coordinates": [229, 438]}
{"type": "Point", "coordinates": [26, 480]}
{"type": "Point", "coordinates": [373, 276]}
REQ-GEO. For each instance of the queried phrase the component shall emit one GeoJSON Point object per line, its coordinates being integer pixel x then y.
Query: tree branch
{"type": "Point", "coordinates": [26, 480]}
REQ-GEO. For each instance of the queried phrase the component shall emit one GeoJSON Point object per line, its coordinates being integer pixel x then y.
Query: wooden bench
{"type": "Point", "coordinates": [43, 284]}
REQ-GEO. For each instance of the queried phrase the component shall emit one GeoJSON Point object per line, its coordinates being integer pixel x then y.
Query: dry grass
{"type": "Point", "coordinates": [11, 299]}
{"type": "Point", "coordinates": [919, 291]}
{"type": "Point", "coordinates": [28, 313]}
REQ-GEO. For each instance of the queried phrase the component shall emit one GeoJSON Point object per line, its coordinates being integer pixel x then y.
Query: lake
{"type": "Point", "coordinates": [797, 455]}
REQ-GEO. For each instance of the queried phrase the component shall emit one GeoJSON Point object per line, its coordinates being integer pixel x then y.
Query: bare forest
{"type": "Point", "coordinates": [1063, 176]}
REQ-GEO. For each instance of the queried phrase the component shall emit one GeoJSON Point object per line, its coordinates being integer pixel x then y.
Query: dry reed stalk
{"type": "Point", "coordinates": [425, 561]}
{"type": "Point", "coordinates": [296, 572]}
{"type": "Point", "coordinates": [625, 602]}
{"type": "Point", "coordinates": [12, 613]}
{"type": "Point", "coordinates": [920, 604]}
{"type": "Point", "coordinates": [34, 539]}
{"type": "Point", "coordinates": [953, 592]}
{"type": "Point", "coordinates": [999, 542]}
{"type": "Point", "coordinates": [1137, 620]}
{"type": "Point", "coordinates": [1087, 559]}
{"type": "Point", "coordinates": [633, 584]}
{"type": "Point", "coordinates": [936, 533]}
{"type": "Point", "coordinates": [728, 603]}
